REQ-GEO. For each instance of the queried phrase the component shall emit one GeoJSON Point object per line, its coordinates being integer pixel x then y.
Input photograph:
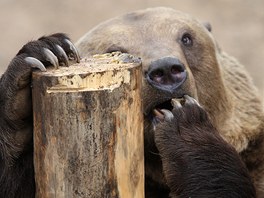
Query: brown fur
{"type": "Point", "coordinates": [185, 155]}
{"type": "Point", "coordinates": [216, 80]}
{"type": "Point", "coordinates": [197, 162]}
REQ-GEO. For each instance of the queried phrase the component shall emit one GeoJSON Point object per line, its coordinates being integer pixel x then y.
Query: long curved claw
{"type": "Point", "coordinates": [190, 100]}
{"type": "Point", "coordinates": [168, 115]}
{"type": "Point", "coordinates": [35, 63]}
{"type": "Point", "coordinates": [176, 103]}
{"type": "Point", "coordinates": [74, 50]}
{"type": "Point", "coordinates": [158, 114]}
{"type": "Point", "coordinates": [63, 54]}
{"type": "Point", "coordinates": [51, 58]}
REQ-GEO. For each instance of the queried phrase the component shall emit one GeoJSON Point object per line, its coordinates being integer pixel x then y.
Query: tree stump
{"type": "Point", "coordinates": [88, 129]}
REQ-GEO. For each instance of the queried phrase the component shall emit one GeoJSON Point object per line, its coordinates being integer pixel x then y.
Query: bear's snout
{"type": "Point", "coordinates": [166, 73]}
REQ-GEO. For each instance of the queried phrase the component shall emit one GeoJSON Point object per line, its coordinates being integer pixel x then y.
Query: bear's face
{"type": "Point", "coordinates": [179, 57]}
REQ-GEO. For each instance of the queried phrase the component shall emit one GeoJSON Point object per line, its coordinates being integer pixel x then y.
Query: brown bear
{"type": "Point", "coordinates": [203, 116]}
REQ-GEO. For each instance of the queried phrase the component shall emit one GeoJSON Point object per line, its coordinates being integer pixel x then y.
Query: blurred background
{"type": "Point", "coordinates": [237, 25]}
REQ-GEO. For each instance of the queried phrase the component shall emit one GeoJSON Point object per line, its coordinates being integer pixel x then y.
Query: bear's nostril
{"type": "Point", "coordinates": [176, 72]}
{"type": "Point", "coordinates": [157, 75]}
{"type": "Point", "coordinates": [176, 69]}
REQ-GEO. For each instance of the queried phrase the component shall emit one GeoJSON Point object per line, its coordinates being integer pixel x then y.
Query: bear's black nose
{"type": "Point", "coordinates": [166, 73]}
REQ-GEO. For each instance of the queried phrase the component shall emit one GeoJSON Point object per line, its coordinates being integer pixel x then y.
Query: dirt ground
{"type": "Point", "coordinates": [237, 25]}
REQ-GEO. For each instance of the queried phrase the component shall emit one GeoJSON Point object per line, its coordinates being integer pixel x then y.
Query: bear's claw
{"type": "Point", "coordinates": [176, 103]}
{"type": "Point", "coordinates": [167, 114]}
{"type": "Point", "coordinates": [51, 58]}
{"type": "Point", "coordinates": [74, 55]}
{"type": "Point", "coordinates": [35, 63]}
{"type": "Point", "coordinates": [63, 54]}
{"type": "Point", "coordinates": [190, 100]}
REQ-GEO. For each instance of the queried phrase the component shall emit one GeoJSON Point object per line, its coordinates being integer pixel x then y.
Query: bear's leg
{"type": "Point", "coordinates": [197, 162]}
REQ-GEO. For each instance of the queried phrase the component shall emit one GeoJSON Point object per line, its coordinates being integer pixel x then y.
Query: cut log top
{"type": "Point", "coordinates": [115, 66]}
{"type": "Point", "coordinates": [98, 63]}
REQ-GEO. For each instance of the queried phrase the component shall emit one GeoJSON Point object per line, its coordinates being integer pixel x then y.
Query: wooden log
{"type": "Point", "coordinates": [88, 129]}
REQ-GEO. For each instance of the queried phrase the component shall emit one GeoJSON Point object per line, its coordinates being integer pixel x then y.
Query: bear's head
{"type": "Point", "coordinates": [179, 56]}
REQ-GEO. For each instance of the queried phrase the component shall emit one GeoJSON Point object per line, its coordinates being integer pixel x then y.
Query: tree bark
{"type": "Point", "coordinates": [88, 129]}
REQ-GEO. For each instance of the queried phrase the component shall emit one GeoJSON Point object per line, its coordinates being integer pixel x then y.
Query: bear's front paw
{"type": "Point", "coordinates": [56, 49]}
{"type": "Point", "coordinates": [53, 50]}
{"type": "Point", "coordinates": [185, 122]}
{"type": "Point", "coordinates": [192, 151]}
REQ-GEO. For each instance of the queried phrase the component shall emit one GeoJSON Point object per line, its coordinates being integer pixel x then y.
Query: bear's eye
{"type": "Point", "coordinates": [187, 40]}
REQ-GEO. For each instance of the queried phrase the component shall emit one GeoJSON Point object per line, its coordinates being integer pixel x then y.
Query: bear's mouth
{"type": "Point", "coordinates": [156, 115]}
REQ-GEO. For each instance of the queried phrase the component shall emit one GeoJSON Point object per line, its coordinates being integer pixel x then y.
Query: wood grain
{"type": "Point", "coordinates": [88, 129]}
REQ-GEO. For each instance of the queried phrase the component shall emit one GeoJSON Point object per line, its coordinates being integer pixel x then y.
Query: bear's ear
{"type": "Point", "coordinates": [208, 26]}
